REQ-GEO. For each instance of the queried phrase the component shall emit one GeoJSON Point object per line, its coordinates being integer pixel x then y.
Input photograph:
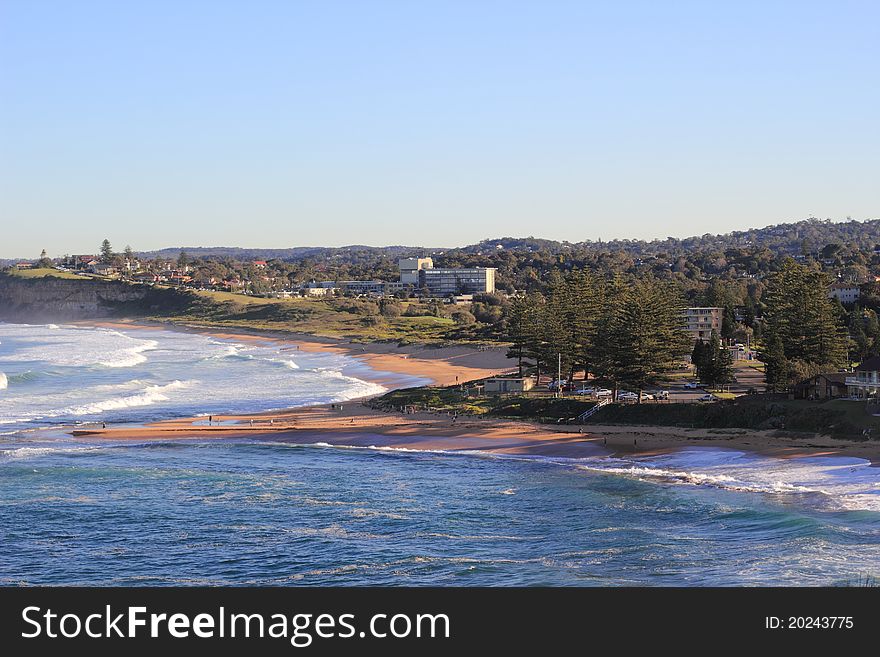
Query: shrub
{"type": "Point", "coordinates": [390, 309]}
{"type": "Point", "coordinates": [463, 318]}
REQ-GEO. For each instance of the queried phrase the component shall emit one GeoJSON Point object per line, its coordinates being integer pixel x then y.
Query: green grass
{"type": "Point", "coordinates": [355, 320]}
{"type": "Point", "coordinates": [538, 408]}
{"type": "Point", "coordinates": [243, 299]}
{"type": "Point", "coordinates": [319, 317]}
{"type": "Point", "coordinates": [43, 273]}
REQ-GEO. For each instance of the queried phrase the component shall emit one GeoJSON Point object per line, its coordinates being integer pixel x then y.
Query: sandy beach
{"type": "Point", "coordinates": [355, 423]}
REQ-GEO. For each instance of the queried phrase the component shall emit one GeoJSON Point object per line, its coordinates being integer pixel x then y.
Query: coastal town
{"type": "Point", "coordinates": [598, 324]}
{"type": "Point", "coordinates": [418, 327]}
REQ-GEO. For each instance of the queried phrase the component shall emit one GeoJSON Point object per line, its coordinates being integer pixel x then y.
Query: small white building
{"type": "Point", "coordinates": [509, 384]}
{"type": "Point", "coordinates": [845, 292]}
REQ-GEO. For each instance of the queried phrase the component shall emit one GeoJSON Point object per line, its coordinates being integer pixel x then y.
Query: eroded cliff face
{"type": "Point", "coordinates": [47, 299]}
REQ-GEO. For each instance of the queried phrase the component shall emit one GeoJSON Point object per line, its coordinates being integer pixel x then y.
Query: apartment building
{"type": "Point", "coordinates": [700, 322]}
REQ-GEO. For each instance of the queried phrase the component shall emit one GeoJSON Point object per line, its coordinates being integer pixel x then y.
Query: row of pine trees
{"type": "Point", "coordinates": [629, 333]}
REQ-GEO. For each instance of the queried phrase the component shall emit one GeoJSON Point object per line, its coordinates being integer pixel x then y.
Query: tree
{"type": "Point", "coordinates": [799, 313]}
{"type": "Point", "coordinates": [728, 322]}
{"type": "Point", "coordinates": [583, 297]}
{"type": "Point", "coordinates": [713, 362]}
{"type": "Point", "coordinates": [776, 366]}
{"type": "Point", "coordinates": [641, 336]}
{"type": "Point", "coordinates": [106, 252]}
{"type": "Point", "coordinates": [523, 328]}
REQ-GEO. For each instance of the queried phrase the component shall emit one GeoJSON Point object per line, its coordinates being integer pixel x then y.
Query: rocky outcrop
{"type": "Point", "coordinates": [49, 298]}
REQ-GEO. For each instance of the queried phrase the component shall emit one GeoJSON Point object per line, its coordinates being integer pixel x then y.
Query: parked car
{"type": "Point", "coordinates": [626, 395]}
{"type": "Point", "coordinates": [647, 396]}
{"type": "Point", "coordinates": [691, 385]}
{"type": "Point", "coordinates": [660, 394]}
{"type": "Point", "coordinates": [585, 391]}
{"type": "Point", "coordinates": [603, 392]}
{"type": "Point", "coordinates": [706, 398]}
{"type": "Point", "coordinates": [554, 385]}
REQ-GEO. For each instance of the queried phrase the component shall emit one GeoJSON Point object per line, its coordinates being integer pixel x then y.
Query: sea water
{"type": "Point", "coordinates": [74, 374]}
{"type": "Point", "coordinates": [265, 511]}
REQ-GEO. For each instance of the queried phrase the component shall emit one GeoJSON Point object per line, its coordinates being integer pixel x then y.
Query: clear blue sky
{"type": "Point", "coordinates": [258, 123]}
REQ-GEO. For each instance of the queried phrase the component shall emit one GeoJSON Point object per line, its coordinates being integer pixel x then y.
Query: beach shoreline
{"type": "Point", "coordinates": [356, 424]}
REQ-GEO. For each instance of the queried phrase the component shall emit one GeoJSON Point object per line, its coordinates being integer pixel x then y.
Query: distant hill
{"type": "Point", "coordinates": [809, 235]}
{"type": "Point", "coordinates": [783, 239]}
{"type": "Point", "coordinates": [290, 254]}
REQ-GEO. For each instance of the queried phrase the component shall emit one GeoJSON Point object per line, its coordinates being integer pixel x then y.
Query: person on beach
{"type": "Point", "coordinates": [210, 420]}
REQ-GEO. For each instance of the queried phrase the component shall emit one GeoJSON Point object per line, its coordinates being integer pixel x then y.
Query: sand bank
{"type": "Point", "coordinates": [354, 423]}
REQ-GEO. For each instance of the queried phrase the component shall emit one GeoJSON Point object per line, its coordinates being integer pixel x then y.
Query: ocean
{"type": "Point", "coordinates": [262, 511]}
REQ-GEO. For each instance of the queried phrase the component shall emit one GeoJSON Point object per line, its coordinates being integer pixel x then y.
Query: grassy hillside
{"type": "Point", "coordinates": [348, 319]}
{"type": "Point", "coordinates": [43, 273]}
{"type": "Point", "coordinates": [38, 293]}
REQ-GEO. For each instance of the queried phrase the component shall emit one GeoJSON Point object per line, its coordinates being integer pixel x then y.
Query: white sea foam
{"type": "Point", "coordinates": [131, 356]}
{"type": "Point", "coordinates": [77, 371]}
{"type": "Point", "coordinates": [4, 382]}
{"type": "Point", "coordinates": [226, 351]}
{"type": "Point", "coordinates": [18, 453]}
{"type": "Point", "coordinates": [833, 482]}
{"type": "Point", "coordinates": [150, 395]}
{"type": "Point", "coordinates": [839, 482]}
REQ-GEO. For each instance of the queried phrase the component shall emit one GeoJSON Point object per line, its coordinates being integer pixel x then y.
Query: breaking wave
{"type": "Point", "coordinates": [149, 396]}
{"type": "Point", "coordinates": [131, 356]}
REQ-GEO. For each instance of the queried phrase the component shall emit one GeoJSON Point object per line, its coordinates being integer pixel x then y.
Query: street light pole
{"type": "Point", "coordinates": [559, 375]}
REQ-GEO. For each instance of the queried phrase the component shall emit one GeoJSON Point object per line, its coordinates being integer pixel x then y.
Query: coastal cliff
{"type": "Point", "coordinates": [49, 298]}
